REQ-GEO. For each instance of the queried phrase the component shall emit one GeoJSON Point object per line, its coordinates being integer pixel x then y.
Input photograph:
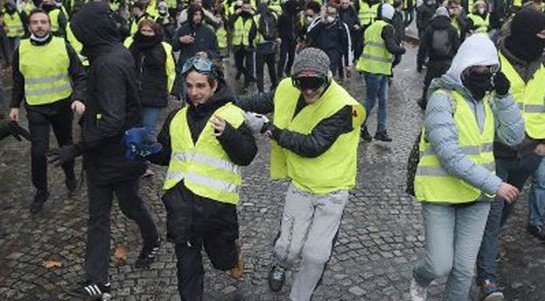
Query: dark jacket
{"type": "Point", "coordinates": [388, 35]}
{"type": "Point", "coordinates": [322, 136]}
{"type": "Point", "coordinates": [205, 40]}
{"type": "Point", "coordinates": [399, 27]}
{"type": "Point", "coordinates": [424, 13]}
{"type": "Point", "coordinates": [190, 216]}
{"type": "Point", "coordinates": [75, 70]}
{"type": "Point", "coordinates": [349, 17]}
{"type": "Point", "coordinates": [330, 38]}
{"type": "Point", "coordinates": [426, 48]}
{"type": "Point", "coordinates": [289, 25]}
{"type": "Point", "coordinates": [150, 58]}
{"type": "Point", "coordinates": [112, 104]}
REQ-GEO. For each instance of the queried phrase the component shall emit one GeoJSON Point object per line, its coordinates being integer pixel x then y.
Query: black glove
{"type": "Point", "coordinates": [60, 156]}
{"type": "Point", "coordinates": [501, 84]}
{"type": "Point", "coordinates": [17, 131]}
{"type": "Point", "coordinates": [270, 130]}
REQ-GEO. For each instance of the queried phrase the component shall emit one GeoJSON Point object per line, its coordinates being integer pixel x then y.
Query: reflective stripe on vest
{"type": "Point", "coordinates": [529, 96]}
{"type": "Point", "coordinates": [45, 71]}
{"type": "Point", "coordinates": [204, 166]}
{"type": "Point", "coordinates": [333, 170]}
{"type": "Point", "coordinates": [480, 24]}
{"type": "Point", "coordinates": [375, 57]}
{"type": "Point", "coordinates": [367, 14]}
{"type": "Point", "coordinates": [14, 25]}
{"type": "Point", "coordinates": [435, 184]}
{"type": "Point", "coordinates": [241, 33]}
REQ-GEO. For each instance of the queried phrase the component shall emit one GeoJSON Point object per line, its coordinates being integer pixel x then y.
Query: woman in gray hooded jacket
{"type": "Point", "coordinates": [469, 107]}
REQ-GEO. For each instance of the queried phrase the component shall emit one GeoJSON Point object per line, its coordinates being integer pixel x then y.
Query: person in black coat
{"type": "Point", "coordinates": [112, 107]}
{"type": "Point", "coordinates": [424, 13]}
{"type": "Point", "coordinates": [440, 58]}
{"type": "Point", "coordinates": [288, 30]}
{"type": "Point", "coordinates": [195, 221]}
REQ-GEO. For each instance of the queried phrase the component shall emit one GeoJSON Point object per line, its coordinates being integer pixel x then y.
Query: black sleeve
{"type": "Point", "coordinates": [239, 144]}
{"type": "Point", "coordinates": [213, 50]}
{"type": "Point", "coordinates": [423, 49]}
{"type": "Point", "coordinates": [4, 132]}
{"type": "Point", "coordinates": [253, 33]}
{"type": "Point", "coordinates": [262, 103]}
{"type": "Point", "coordinates": [455, 40]}
{"type": "Point", "coordinates": [324, 134]}
{"type": "Point", "coordinates": [77, 74]}
{"type": "Point", "coordinates": [388, 34]}
{"type": "Point", "coordinates": [18, 93]}
{"type": "Point", "coordinates": [6, 51]}
{"type": "Point", "coordinates": [111, 89]}
{"type": "Point", "coordinates": [62, 23]}
{"type": "Point", "coordinates": [313, 33]}
{"type": "Point", "coordinates": [163, 157]}
{"type": "Point", "coordinates": [175, 42]}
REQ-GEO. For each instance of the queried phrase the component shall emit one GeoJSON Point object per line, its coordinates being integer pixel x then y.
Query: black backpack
{"type": "Point", "coordinates": [267, 26]}
{"type": "Point", "coordinates": [440, 42]}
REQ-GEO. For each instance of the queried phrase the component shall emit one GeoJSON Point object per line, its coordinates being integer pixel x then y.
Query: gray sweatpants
{"type": "Point", "coordinates": [309, 224]}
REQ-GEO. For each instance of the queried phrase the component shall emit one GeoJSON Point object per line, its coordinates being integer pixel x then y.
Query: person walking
{"type": "Point", "coordinates": [521, 59]}
{"type": "Point", "coordinates": [289, 27]}
{"type": "Point", "coordinates": [112, 107]}
{"type": "Point", "coordinates": [49, 79]}
{"type": "Point", "coordinates": [13, 25]}
{"type": "Point", "coordinates": [376, 65]}
{"type": "Point", "coordinates": [244, 34]}
{"type": "Point", "coordinates": [204, 146]}
{"type": "Point", "coordinates": [440, 42]}
{"type": "Point", "coordinates": [314, 141]}
{"type": "Point", "coordinates": [267, 42]}
{"type": "Point", "coordinates": [470, 107]}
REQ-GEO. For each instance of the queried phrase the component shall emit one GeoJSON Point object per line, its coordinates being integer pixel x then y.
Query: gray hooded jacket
{"type": "Point", "coordinates": [439, 123]}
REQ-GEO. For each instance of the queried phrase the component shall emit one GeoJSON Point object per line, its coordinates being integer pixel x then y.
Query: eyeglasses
{"type": "Point", "coordinates": [309, 82]}
{"type": "Point", "coordinates": [200, 64]}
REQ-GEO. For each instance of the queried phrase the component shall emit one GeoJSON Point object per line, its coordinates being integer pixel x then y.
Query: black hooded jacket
{"type": "Point", "coordinates": [112, 104]}
{"type": "Point", "coordinates": [436, 24]}
{"type": "Point", "coordinates": [190, 216]}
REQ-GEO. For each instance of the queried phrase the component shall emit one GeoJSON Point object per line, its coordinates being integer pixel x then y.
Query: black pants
{"type": "Point", "coordinates": [287, 51]}
{"type": "Point", "coordinates": [260, 60]}
{"type": "Point", "coordinates": [222, 254]}
{"type": "Point", "coordinates": [244, 61]}
{"type": "Point", "coordinates": [39, 124]}
{"type": "Point", "coordinates": [97, 256]}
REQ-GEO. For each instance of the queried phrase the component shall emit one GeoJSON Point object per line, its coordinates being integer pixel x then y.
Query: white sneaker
{"type": "Point", "coordinates": [418, 293]}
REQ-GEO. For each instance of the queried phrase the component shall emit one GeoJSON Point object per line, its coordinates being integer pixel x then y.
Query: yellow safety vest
{"type": "Point", "coordinates": [28, 7]}
{"type": "Point", "coordinates": [375, 57]}
{"type": "Point", "coordinates": [435, 184]}
{"type": "Point", "coordinates": [529, 96]}
{"type": "Point", "coordinates": [275, 6]}
{"type": "Point", "coordinates": [221, 34]}
{"type": "Point", "coordinates": [368, 13]}
{"type": "Point", "coordinates": [204, 166]}
{"type": "Point", "coordinates": [241, 33]}
{"type": "Point", "coordinates": [54, 18]}
{"type": "Point", "coordinates": [78, 47]}
{"type": "Point", "coordinates": [456, 25]}
{"type": "Point", "coordinates": [14, 25]}
{"type": "Point", "coordinates": [45, 70]}
{"type": "Point", "coordinates": [172, 3]}
{"type": "Point", "coordinates": [336, 168]}
{"type": "Point", "coordinates": [480, 24]}
{"type": "Point", "coordinates": [517, 3]}
{"type": "Point", "coordinates": [170, 67]}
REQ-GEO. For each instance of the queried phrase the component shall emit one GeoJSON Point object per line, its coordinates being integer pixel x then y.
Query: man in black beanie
{"type": "Point", "coordinates": [521, 60]}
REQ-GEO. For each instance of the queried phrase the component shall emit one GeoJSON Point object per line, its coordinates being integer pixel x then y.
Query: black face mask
{"type": "Point", "coordinates": [478, 83]}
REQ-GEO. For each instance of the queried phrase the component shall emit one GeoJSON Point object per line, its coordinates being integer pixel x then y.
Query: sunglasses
{"type": "Point", "coordinates": [200, 64]}
{"type": "Point", "coordinates": [309, 82]}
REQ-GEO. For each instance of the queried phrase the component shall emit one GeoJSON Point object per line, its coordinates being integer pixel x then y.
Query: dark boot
{"type": "Point", "coordinates": [383, 136]}
{"type": "Point", "coordinates": [39, 199]}
{"type": "Point", "coordinates": [365, 135]}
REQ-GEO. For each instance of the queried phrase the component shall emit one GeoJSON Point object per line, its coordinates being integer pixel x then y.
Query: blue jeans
{"type": "Point", "coordinates": [514, 172]}
{"type": "Point", "coordinates": [536, 201]}
{"type": "Point", "coordinates": [453, 237]}
{"type": "Point", "coordinates": [150, 116]}
{"type": "Point", "coordinates": [376, 88]}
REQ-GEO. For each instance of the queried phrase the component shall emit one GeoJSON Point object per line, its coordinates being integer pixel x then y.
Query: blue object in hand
{"type": "Point", "coordinates": [138, 144]}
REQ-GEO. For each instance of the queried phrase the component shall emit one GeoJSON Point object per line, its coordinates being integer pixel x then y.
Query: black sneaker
{"type": "Point", "coordinates": [365, 135]}
{"type": "Point", "coordinates": [537, 231]}
{"type": "Point", "coordinates": [89, 290]}
{"type": "Point", "coordinates": [147, 255]}
{"type": "Point", "coordinates": [71, 185]}
{"type": "Point", "coordinates": [39, 199]}
{"type": "Point", "coordinates": [277, 277]}
{"type": "Point", "coordinates": [383, 136]}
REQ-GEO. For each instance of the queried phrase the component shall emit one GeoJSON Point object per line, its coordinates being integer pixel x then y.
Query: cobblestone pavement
{"type": "Point", "coordinates": [380, 240]}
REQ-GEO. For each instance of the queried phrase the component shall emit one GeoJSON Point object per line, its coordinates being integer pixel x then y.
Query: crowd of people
{"type": "Point", "coordinates": [115, 66]}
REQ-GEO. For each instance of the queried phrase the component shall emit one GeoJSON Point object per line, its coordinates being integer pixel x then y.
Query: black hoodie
{"type": "Point", "coordinates": [112, 104]}
{"type": "Point", "coordinates": [438, 23]}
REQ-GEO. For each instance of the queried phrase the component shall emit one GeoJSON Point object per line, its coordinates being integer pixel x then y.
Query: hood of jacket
{"type": "Point", "coordinates": [440, 22]}
{"type": "Point", "coordinates": [95, 27]}
{"type": "Point", "coordinates": [477, 50]}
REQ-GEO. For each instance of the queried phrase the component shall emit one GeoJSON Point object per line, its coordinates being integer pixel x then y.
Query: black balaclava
{"type": "Point", "coordinates": [477, 83]}
{"type": "Point", "coordinates": [523, 42]}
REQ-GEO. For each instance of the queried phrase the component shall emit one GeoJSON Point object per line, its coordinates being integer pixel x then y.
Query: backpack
{"type": "Point", "coordinates": [440, 42]}
{"type": "Point", "coordinates": [267, 26]}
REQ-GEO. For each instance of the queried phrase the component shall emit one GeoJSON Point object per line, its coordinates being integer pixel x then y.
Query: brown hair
{"type": "Point", "coordinates": [156, 28]}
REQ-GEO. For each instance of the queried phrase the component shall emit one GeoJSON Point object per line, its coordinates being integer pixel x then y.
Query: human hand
{"type": "Point", "coordinates": [501, 84]}
{"type": "Point", "coordinates": [14, 114]}
{"type": "Point", "coordinates": [508, 192]}
{"type": "Point", "coordinates": [218, 124]}
{"type": "Point", "coordinates": [60, 156]}
{"type": "Point", "coordinates": [187, 39]}
{"type": "Point", "coordinates": [540, 149]}
{"type": "Point", "coordinates": [78, 107]}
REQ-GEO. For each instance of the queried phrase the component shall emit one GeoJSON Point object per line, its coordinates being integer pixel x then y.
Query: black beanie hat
{"type": "Point", "coordinates": [523, 41]}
